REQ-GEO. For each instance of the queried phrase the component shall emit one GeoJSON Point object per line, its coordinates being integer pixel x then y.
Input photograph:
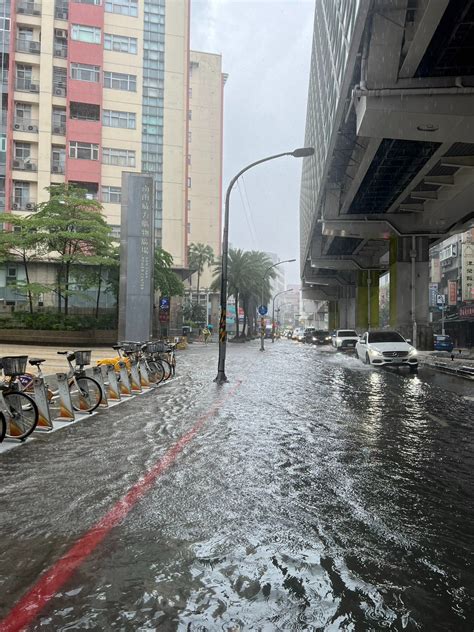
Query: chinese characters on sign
{"type": "Point", "coordinates": [145, 245]}
{"type": "Point", "coordinates": [452, 292]}
{"type": "Point", "coordinates": [467, 284]}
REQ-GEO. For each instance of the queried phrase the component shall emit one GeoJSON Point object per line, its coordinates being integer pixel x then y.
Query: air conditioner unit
{"type": "Point", "coordinates": [17, 126]}
{"type": "Point", "coordinates": [17, 164]}
{"type": "Point", "coordinates": [34, 87]}
{"type": "Point", "coordinates": [21, 10]}
{"type": "Point", "coordinates": [58, 130]}
{"type": "Point", "coordinates": [61, 15]}
{"type": "Point", "coordinates": [36, 12]}
{"type": "Point", "coordinates": [32, 128]}
{"type": "Point", "coordinates": [61, 33]}
{"type": "Point", "coordinates": [29, 206]}
{"type": "Point", "coordinates": [35, 47]}
{"type": "Point", "coordinates": [15, 206]}
{"type": "Point", "coordinates": [60, 92]}
{"type": "Point", "coordinates": [29, 166]}
{"type": "Point", "coordinates": [56, 169]}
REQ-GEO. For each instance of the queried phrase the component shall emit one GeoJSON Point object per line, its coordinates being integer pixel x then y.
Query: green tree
{"type": "Point", "coordinates": [76, 234]}
{"type": "Point", "coordinates": [199, 255]}
{"type": "Point", "coordinates": [22, 240]}
{"type": "Point", "coordinates": [166, 281]}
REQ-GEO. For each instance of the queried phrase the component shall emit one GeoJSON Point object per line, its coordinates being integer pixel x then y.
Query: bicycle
{"type": "Point", "coordinates": [19, 409]}
{"type": "Point", "coordinates": [85, 391]}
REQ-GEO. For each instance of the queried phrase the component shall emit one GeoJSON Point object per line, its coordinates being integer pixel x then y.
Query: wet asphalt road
{"type": "Point", "coordinates": [322, 495]}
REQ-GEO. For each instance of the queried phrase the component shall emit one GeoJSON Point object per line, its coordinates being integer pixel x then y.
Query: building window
{"type": "Point", "coordinates": [85, 72]}
{"type": "Point", "coordinates": [112, 195]}
{"type": "Point", "coordinates": [83, 151]}
{"type": "Point", "coordinates": [23, 111]}
{"type": "Point", "coordinates": [189, 228]}
{"type": "Point", "coordinates": [21, 193]}
{"type": "Point", "coordinates": [125, 7]}
{"type": "Point", "coordinates": [97, 3]}
{"type": "Point", "coordinates": [88, 34]}
{"type": "Point", "coordinates": [118, 157]}
{"type": "Point", "coordinates": [120, 43]}
{"type": "Point", "coordinates": [189, 205]}
{"type": "Point", "coordinates": [120, 81]}
{"type": "Point", "coordinates": [4, 24]}
{"type": "Point", "coordinates": [190, 115]}
{"type": "Point", "coordinates": [84, 111]}
{"type": "Point", "coordinates": [114, 118]}
{"type": "Point", "coordinates": [189, 183]}
{"type": "Point", "coordinates": [22, 150]}
{"type": "Point", "coordinates": [189, 137]}
{"type": "Point", "coordinates": [190, 92]}
{"type": "Point", "coordinates": [189, 159]}
{"type": "Point", "coordinates": [3, 148]}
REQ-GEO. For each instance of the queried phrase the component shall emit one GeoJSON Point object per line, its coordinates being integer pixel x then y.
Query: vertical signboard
{"type": "Point", "coordinates": [467, 278]}
{"type": "Point", "coordinates": [433, 292]}
{"type": "Point", "coordinates": [137, 249]}
{"type": "Point", "coordinates": [452, 292]}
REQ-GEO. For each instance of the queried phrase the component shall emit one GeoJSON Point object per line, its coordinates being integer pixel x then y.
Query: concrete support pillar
{"type": "Point", "coordinates": [409, 280]}
{"type": "Point", "coordinates": [367, 300]}
{"type": "Point", "coordinates": [333, 315]}
{"type": "Point", "coordinates": [347, 307]}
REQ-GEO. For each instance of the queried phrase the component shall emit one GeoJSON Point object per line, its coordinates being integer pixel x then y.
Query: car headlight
{"type": "Point", "coordinates": [412, 353]}
{"type": "Point", "coordinates": [327, 338]}
{"type": "Point", "coordinates": [374, 352]}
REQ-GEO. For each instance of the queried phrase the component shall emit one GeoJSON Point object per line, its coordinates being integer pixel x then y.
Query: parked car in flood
{"type": "Point", "coordinates": [321, 337]}
{"type": "Point", "coordinates": [345, 339]}
{"type": "Point", "coordinates": [380, 348]}
{"type": "Point", "coordinates": [443, 343]}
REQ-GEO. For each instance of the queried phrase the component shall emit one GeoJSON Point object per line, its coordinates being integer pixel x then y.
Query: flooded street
{"type": "Point", "coordinates": [321, 494]}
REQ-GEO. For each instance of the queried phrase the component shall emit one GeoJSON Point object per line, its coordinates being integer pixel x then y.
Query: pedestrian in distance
{"type": "Point", "coordinates": [206, 334]}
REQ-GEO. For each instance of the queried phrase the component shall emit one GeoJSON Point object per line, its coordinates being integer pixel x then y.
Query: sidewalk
{"type": "Point", "coordinates": [458, 362]}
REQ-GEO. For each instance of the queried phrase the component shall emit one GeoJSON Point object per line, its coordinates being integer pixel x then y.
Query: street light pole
{"type": "Point", "coordinates": [301, 152]}
{"type": "Point", "coordinates": [262, 320]}
{"type": "Point", "coordinates": [273, 311]}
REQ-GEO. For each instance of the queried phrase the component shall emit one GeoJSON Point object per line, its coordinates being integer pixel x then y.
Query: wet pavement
{"type": "Point", "coordinates": [321, 495]}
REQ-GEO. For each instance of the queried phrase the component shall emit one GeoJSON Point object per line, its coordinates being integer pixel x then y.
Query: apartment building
{"type": "Point", "coordinates": [86, 94]}
{"type": "Point", "coordinates": [204, 157]}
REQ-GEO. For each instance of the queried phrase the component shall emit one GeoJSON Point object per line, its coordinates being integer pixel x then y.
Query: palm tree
{"type": "Point", "coordinates": [245, 272]}
{"type": "Point", "coordinates": [198, 256]}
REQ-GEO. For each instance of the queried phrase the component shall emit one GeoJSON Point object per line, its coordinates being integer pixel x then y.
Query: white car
{"type": "Point", "coordinates": [298, 334]}
{"type": "Point", "coordinates": [387, 348]}
{"type": "Point", "coordinates": [345, 339]}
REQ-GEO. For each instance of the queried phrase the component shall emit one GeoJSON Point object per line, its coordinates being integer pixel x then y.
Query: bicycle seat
{"type": "Point", "coordinates": [62, 352]}
{"type": "Point", "coordinates": [37, 361]}
{"type": "Point", "coordinates": [117, 347]}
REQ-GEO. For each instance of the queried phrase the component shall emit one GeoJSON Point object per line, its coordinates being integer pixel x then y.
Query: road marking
{"type": "Point", "coordinates": [25, 611]}
{"type": "Point", "coordinates": [438, 420]}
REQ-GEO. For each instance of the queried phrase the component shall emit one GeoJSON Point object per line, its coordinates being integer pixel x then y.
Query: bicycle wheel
{"type": "Point", "coordinates": [166, 367]}
{"type": "Point", "coordinates": [23, 415]}
{"type": "Point", "coordinates": [155, 372]}
{"type": "Point", "coordinates": [85, 394]}
{"type": "Point", "coordinates": [3, 427]}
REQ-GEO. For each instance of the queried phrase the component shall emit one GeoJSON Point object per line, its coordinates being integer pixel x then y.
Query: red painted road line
{"type": "Point", "coordinates": [30, 605]}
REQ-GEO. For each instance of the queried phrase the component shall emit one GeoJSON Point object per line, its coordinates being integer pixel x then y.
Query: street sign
{"type": "Point", "coordinates": [440, 299]}
{"type": "Point", "coordinates": [262, 310]}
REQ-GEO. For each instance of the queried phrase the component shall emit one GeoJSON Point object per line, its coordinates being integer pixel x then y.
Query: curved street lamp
{"type": "Point", "coordinates": [273, 311]}
{"type": "Point", "coordinates": [301, 152]}
{"type": "Point", "coordinates": [262, 323]}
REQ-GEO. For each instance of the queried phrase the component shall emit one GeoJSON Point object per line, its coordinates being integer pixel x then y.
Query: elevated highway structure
{"type": "Point", "coordinates": [391, 117]}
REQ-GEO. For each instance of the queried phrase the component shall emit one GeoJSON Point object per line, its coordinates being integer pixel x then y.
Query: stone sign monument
{"type": "Point", "coordinates": [137, 251]}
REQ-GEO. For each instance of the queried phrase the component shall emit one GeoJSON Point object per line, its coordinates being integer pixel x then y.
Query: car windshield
{"type": "Point", "coordinates": [385, 336]}
{"type": "Point", "coordinates": [346, 333]}
{"type": "Point", "coordinates": [321, 332]}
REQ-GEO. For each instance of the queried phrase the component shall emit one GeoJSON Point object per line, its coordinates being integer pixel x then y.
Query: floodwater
{"type": "Point", "coordinates": [322, 495]}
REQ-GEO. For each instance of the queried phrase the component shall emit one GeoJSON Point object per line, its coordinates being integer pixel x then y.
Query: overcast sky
{"type": "Point", "coordinates": [266, 50]}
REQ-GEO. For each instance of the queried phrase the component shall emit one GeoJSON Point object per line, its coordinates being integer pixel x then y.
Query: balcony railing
{"type": "Point", "coordinates": [25, 125]}
{"type": "Point", "coordinates": [22, 204]}
{"type": "Point", "coordinates": [58, 167]}
{"type": "Point", "coordinates": [60, 50]}
{"type": "Point", "coordinates": [26, 164]}
{"type": "Point", "coordinates": [61, 13]}
{"type": "Point", "coordinates": [28, 46]}
{"type": "Point", "coordinates": [58, 128]}
{"type": "Point", "coordinates": [26, 85]}
{"type": "Point", "coordinates": [28, 8]}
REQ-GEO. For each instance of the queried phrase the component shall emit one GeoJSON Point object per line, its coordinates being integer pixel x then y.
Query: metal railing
{"type": "Point", "coordinates": [26, 85]}
{"type": "Point", "coordinates": [25, 125]}
{"type": "Point", "coordinates": [60, 50]}
{"type": "Point", "coordinates": [58, 128]}
{"type": "Point", "coordinates": [24, 164]}
{"type": "Point", "coordinates": [28, 8]}
{"type": "Point", "coordinates": [61, 12]}
{"type": "Point", "coordinates": [58, 167]}
{"type": "Point", "coordinates": [28, 46]}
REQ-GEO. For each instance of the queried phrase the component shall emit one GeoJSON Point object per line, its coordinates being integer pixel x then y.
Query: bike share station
{"type": "Point", "coordinates": [119, 380]}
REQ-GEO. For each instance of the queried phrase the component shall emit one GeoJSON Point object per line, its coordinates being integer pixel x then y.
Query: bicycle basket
{"type": "Point", "coordinates": [154, 347]}
{"type": "Point", "coordinates": [131, 347]}
{"type": "Point", "coordinates": [83, 357]}
{"type": "Point", "coordinates": [14, 365]}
